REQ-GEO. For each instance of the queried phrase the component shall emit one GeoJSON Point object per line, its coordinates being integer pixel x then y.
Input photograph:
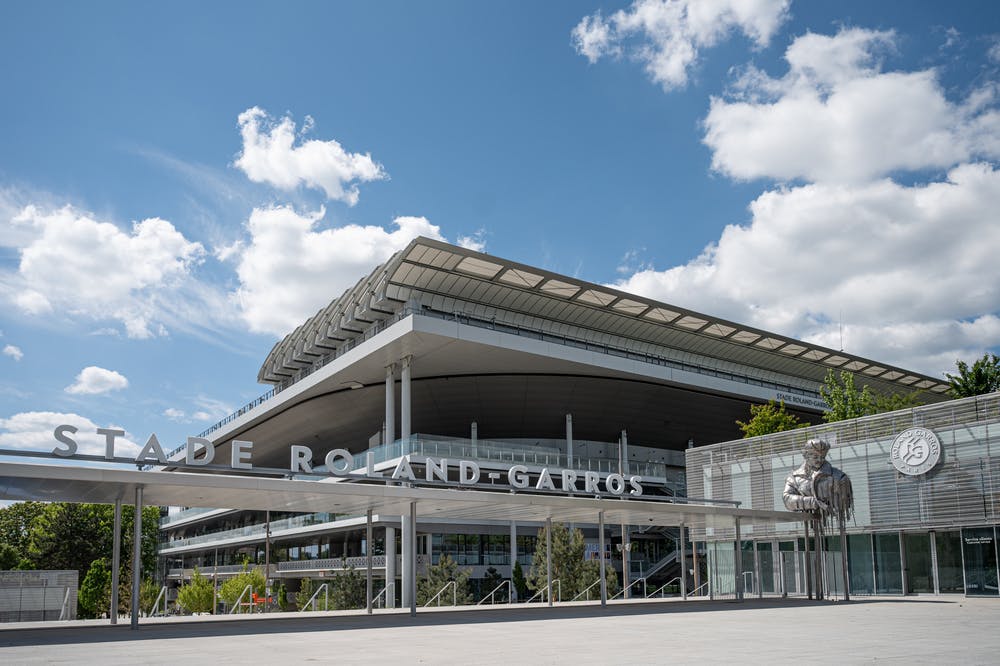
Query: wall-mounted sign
{"type": "Point", "coordinates": [915, 451]}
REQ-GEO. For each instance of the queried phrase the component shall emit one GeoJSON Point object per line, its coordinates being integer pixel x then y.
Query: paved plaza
{"type": "Point", "coordinates": [943, 630]}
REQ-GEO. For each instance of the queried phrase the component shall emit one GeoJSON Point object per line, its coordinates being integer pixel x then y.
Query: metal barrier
{"type": "Point", "coordinates": [325, 588]}
{"type": "Point", "coordinates": [543, 590]}
{"type": "Point", "coordinates": [437, 597]}
{"type": "Point", "coordinates": [586, 590]}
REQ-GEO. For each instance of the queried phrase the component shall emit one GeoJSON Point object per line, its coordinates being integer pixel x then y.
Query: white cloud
{"type": "Point", "coordinates": [75, 265]}
{"type": "Point", "coordinates": [836, 117]}
{"type": "Point", "coordinates": [667, 35]}
{"type": "Point", "coordinates": [94, 380]}
{"type": "Point", "coordinates": [270, 155]}
{"type": "Point", "coordinates": [174, 414]}
{"type": "Point", "coordinates": [33, 431]}
{"type": "Point", "coordinates": [912, 270]}
{"type": "Point", "coordinates": [289, 269]}
{"type": "Point", "coordinates": [475, 241]}
{"type": "Point", "coordinates": [14, 352]}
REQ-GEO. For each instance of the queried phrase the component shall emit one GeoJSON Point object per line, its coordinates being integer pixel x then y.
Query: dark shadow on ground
{"type": "Point", "coordinates": [10, 636]}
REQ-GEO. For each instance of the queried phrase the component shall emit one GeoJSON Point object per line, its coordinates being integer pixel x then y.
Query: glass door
{"type": "Point", "coordinates": [979, 548]}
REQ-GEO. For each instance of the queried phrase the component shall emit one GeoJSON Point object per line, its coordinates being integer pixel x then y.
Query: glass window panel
{"type": "Point", "coordinates": [919, 577]}
{"type": "Point", "coordinates": [860, 565]}
{"type": "Point", "coordinates": [888, 574]}
{"type": "Point", "coordinates": [979, 546]}
{"type": "Point", "coordinates": [949, 561]}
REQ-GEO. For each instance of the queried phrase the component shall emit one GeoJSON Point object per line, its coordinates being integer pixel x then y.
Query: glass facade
{"type": "Point", "coordinates": [924, 534]}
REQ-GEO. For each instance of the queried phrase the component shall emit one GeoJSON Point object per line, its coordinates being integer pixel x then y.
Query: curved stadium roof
{"type": "Point", "coordinates": [433, 275]}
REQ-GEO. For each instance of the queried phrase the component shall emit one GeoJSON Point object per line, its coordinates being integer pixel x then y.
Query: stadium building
{"type": "Point", "coordinates": [444, 353]}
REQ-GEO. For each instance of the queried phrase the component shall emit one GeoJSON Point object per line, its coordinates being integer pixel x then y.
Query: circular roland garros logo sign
{"type": "Point", "coordinates": [915, 451]}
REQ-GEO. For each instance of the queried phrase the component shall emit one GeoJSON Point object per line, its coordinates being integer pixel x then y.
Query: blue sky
{"type": "Point", "coordinates": [796, 166]}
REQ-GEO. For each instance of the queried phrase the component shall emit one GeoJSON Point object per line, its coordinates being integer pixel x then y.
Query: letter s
{"type": "Point", "coordinates": [61, 436]}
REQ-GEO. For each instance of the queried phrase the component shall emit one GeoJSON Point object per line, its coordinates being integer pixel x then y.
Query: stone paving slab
{"type": "Point", "coordinates": [925, 630]}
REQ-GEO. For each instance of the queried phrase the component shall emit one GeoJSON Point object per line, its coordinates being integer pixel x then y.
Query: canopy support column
{"type": "Point", "coordinates": [600, 547]}
{"type": "Point", "coordinates": [136, 556]}
{"type": "Point", "coordinates": [368, 563]}
{"type": "Point", "coordinates": [116, 561]}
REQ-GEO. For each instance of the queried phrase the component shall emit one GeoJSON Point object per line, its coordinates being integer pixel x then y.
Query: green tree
{"type": "Point", "coordinates": [569, 567]}
{"type": "Point", "coordinates": [519, 581]}
{"type": "Point", "coordinates": [772, 417]}
{"type": "Point", "coordinates": [348, 589]}
{"type": "Point", "coordinates": [847, 402]}
{"type": "Point", "coordinates": [231, 589]}
{"type": "Point", "coordinates": [490, 582]}
{"type": "Point", "coordinates": [305, 593]}
{"type": "Point", "coordinates": [197, 595]}
{"type": "Point", "coordinates": [282, 597]}
{"type": "Point", "coordinates": [94, 598]}
{"type": "Point", "coordinates": [981, 378]}
{"type": "Point", "coordinates": [440, 574]}
{"type": "Point", "coordinates": [9, 557]}
{"type": "Point", "coordinates": [15, 528]}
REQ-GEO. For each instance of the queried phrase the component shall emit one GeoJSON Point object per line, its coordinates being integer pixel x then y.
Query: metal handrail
{"type": "Point", "coordinates": [586, 590]}
{"type": "Point", "coordinates": [325, 588]}
{"type": "Point", "coordinates": [239, 600]}
{"type": "Point", "coordinates": [543, 590]}
{"type": "Point", "coordinates": [660, 589]}
{"type": "Point", "coordinates": [437, 597]}
{"type": "Point", "coordinates": [626, 588]}
{"type": "Point", "coordinates": [695, 592]}
{"type": "Point", "coordinates": [510, 592]}
{"type": "Point", "coordinates": [380, 594]}
{"type": "Point", "coordinates": [163, 594]}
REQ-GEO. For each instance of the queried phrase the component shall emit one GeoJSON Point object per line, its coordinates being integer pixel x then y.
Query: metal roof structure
{"type": "Point", "coordinates": [105, 485]}
{"type": "Point", "coordinates": [450, 279]}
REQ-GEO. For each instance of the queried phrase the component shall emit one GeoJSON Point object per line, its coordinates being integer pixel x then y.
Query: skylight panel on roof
{"type": "Point", "coordinates": [519, 278]}
{"type": "Point", "coordinates": [835, 360]}
{"type": "Point", "coordinates": [478, 267]}
{"type": "Point", "coordinates": [927, 383]}
{"type": "Point", "coordinates": [891, 375]}
{"type": "Point", "coordinates": [595, 297]}
{"type": "Point", "coordinates": [630, 307]}
{"type": "Point", "coordinates": [792, 350]}
{"type": "Point", "coordinates": [908, 379]}
{"type": "Point", "coordinates": [720, 330]}
{"type": "Point", "coordinates": [940, 388]}
{"type": "Point", "coordinates": [746, 337]}
{"type": "Point", "coordinates": [690, 323]}
{"type": "Point", "coordinates": [661, 314]}
{"type": "Point", "coordinates": [854, 366]}
{"type": "Point", "coordinates": [559, 288]}
{"type": "Point", "coordinates": [815, 355]}
{"type": "Point", "coordinates": [874, 370]}
{"type": "Point", "coordinates": [770, 343]}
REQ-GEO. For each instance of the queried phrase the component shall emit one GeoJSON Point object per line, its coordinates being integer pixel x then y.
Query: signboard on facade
{"type": "Point", "coordinates": [915, 451]}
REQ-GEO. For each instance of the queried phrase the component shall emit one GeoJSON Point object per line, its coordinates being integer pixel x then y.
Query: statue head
{"type": "Point", "coordinates": [814, 453]}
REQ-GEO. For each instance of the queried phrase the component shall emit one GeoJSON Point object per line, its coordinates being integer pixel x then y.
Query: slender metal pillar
{"type": "Point", "coordinates": [390, 567]}
{"type": "Point", "coordinates": [513, 559]}
{"type": "Point", "coordinates": [934, 563]}
{"type": "Point", "coordinates": [474, 436]}
{"type": "Point", "coordinates": [267, 559]}
{"type": "Point", "coordinates": [738, 560]}
{"type": "Point", "coordinates": [843, 559]}
{"type": "Point", "coordinates": [412, 587]}
{"type": "Point", "coordinates": [808, 563]}
{"type": "Point", "coordinates": [408, 565]}
{"type": "Point", "coordinates": [756, 572]}
{"type": "Point", "coordinates": [627, 594]}
{"type": "Point", "coordinates": [683, 558]}
{"type": "Point", "coordinates": [903, 568]}
{"type": "Point", "coordinates": [404, 399]}
{"type": "Point", "coordinates": [624, 454]}
{"type": "Point", "coordinates": [818, 553]}
{"type": "Point", "coordinates": [136, 556]}
{"type": "Point", "coordinates": [600, 554]}
{"type": "Point", "coordinates": [697, 568]}
{"type": "Point", "coordinates": [548, 559]}
{"type": "Point", "coordinates": [116, 561]}
{"type": "Point", "coordinates": [390, 404]}
{"type": "Point", "coordinates": [368, 563]}
{"type": "Point", "coordinates": [569, 441]}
